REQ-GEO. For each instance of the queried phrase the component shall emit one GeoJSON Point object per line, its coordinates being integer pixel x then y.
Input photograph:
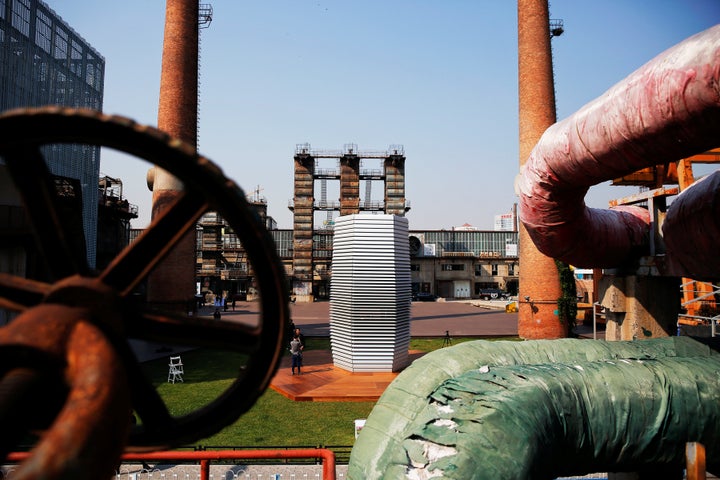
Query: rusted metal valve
{"type": "Point", "coordinates": [66, 368]}
{"type": "Point", "coordinates": [63, 357]}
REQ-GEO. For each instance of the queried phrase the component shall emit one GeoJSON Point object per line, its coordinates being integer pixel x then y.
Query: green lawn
{"type": "Point", "coordinates": [274, 420]}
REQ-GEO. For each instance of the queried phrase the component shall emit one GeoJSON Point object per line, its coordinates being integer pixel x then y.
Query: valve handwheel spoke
{"type": "Point", "coordinates": [17, 293]}
{"type": "Point", "coordinates": [22, 133]}
{"type": "Point", "coordinates": [174, 328]}
{"type": "Point", "coordinates": [136, 261]}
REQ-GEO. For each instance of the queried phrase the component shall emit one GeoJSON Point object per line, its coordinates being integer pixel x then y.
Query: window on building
{"type": "Point", "coordinates": [43, 32]}
{"type": "Point", "coordinates": [494, 267]}
{"type": "Point", "coordinates": [450, 267]}
{"type": "Point", "coordinates": [414, 267]}
{"type": "Point", "coordinates": [231, 241]}
{"type": "Point", "coordinates": [61, 44]}
{"type": "Point", "coordinates": [21, 16]}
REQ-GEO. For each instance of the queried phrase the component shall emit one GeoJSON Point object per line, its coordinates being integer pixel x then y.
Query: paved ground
{"type": "Point", "coordinates": [427, 319]}
{"type": "Point", "coordinates": [473, 318]}
{"type": "Point", "coordinates": [227, 472]}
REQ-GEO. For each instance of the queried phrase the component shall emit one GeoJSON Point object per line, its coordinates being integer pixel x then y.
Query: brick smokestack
{"type": "Point", "coordinates": [539, 279]}
{"type": "Point", "coordinates": [172, 284]}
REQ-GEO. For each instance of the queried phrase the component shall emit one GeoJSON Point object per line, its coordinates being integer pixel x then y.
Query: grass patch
{"type": "Point", "coordinates": [274, 420]}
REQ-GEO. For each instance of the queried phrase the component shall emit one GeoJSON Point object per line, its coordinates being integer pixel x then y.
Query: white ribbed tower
{"type": "Point", "coordinates": [370, 293]}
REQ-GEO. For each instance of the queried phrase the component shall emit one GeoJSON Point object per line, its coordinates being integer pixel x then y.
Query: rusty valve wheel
{"type": "Point", "coordinates": [65, 364]}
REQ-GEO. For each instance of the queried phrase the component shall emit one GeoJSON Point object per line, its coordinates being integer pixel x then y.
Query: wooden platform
{"type": "Point", "coordinates": [321, 381]}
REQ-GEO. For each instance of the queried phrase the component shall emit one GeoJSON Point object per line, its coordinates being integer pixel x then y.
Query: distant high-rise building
{"type": "Point", "coordinates": [43, 61]}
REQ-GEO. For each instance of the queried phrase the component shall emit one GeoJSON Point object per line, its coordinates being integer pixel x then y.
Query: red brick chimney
{"type": "Point", "coordinates": [539, 279]}
{"type": "Point", "coordinates": [172, 284]}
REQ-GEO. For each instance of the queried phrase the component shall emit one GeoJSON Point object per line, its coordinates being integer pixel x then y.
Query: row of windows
{"type": "Point", "coordinates": [483, 244]}
{"type": "Point", "coordinates": [494, 244]}
{"type": "Point", "coordinates": [476, 243]}
{"type": "Point", "coordinates": [450, 267]}
{"type": "Point", "coordinates": [54, 38]}
{"type": "Point", "coordinates": [473, 244]}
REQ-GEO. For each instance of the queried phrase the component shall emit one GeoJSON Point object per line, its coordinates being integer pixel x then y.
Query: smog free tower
{"type": "Point", "coordinates": [370, 293]}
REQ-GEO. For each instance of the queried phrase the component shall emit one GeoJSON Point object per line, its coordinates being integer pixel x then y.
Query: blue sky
{"type": "Point", "coordinates": [438, 77]}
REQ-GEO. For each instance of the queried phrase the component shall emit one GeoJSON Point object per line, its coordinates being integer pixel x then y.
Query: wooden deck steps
{"type": "Point", "coordinates": [321, 381]}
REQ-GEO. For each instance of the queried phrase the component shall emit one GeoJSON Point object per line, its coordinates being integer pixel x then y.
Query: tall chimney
{"type": "Point", "coordinates": [171, 285]}
{"type": "Point", "coordinates": [539, 278]}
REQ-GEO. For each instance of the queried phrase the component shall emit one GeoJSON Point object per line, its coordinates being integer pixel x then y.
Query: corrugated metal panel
{"type": "Point", "coordinates": [370, 299]}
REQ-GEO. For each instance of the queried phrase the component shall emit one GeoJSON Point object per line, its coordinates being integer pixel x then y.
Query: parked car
{"type": "Point", "coordinates": [492, 294]}
{"type": "Point", "coordinates": [424, 297]}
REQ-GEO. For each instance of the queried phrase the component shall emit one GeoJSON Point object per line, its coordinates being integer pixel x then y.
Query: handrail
{"type": "Point", "coordinates": [713, 321]}
{"type": "Point", "coordinates": [716, 290]}
{"type": "Point", "coordinates": [207, 456]}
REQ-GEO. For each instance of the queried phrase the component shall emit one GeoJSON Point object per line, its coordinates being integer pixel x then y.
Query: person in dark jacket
{"type": "Point", "coordinates": [296, 349]}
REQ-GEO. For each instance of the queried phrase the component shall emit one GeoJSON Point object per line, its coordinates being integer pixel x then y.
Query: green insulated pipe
{"type": "Point", "coordinates": [543, 409]}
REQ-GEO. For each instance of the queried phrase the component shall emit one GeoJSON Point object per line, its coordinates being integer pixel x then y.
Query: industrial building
{"type": "Point", "coordinates": [43, 61]}
{"type": "Point", "coordinates": [222, 265]}
{"type": "Point", "coordinates": [454, 263]}
{"type": "Point", "coordinates": [114, 215]}
{"type": "Point", "coordinates": [450, 263]}
{"type": "Point", "coordinates": [447, 263]}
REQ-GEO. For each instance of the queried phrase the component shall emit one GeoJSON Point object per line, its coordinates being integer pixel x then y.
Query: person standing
{"type": "Point", "coordinates": [300, 337]}
{"type": "Point", "coordinates": [296, 351]}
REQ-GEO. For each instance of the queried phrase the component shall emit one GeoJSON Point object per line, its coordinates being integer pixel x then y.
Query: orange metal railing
{"type": "Point", "coordinates": [205, 457]}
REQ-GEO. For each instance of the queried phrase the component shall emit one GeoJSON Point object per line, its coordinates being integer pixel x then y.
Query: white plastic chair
{"type": "Point", "coordinates": [176, 370]}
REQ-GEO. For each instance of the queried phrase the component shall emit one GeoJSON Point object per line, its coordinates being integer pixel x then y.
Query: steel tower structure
{"type": "Point", "coordinates": [350, 174]}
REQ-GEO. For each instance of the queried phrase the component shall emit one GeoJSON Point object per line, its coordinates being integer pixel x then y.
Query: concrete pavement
{"type": "Point", "coordinates": [427, 319]}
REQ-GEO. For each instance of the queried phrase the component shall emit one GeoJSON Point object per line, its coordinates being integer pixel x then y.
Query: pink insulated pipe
{"type": "Point", "coordinates": [667, 110]}
{"type": "Point", "coordinates": [692, 230]}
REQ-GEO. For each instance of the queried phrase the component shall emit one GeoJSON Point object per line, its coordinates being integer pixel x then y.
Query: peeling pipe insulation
{"type": "Point", "coordinates": [696, 210]}
{"type": "Point", "coordinates": [542, 409]}
{"type": "Point", "coordinates": [667, 110]}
